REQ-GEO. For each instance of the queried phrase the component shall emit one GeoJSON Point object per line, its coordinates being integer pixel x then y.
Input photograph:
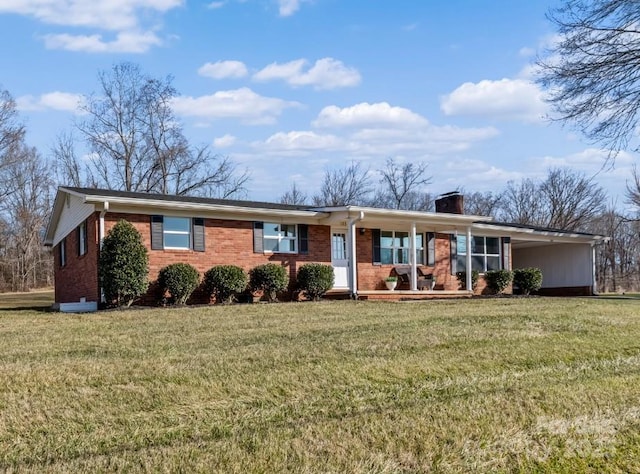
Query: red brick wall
{"type": "Point", "coordinates": [226, 242]}
{"type": "Point", "coordinates": [79, 277]}
{"type": "Point", "coordinates": [229, 242]}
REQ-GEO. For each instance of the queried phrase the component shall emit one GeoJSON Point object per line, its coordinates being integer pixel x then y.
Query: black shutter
{"type": "Point", "coordinates": [303, 238]}
{"type": "Point", "coordinates": [506, 253]}
{"type": "Point", "coordinates": [454, 255]}
{"type": "Point", "coordinates": [431, 249]}
{"type": "Point", "coordinates": [156, 233]}
{"type": "Point", "coordinates": [258, 232]}
{"type": "Point", "coordinates": [376, 245]}
{"type": "Point", "coordinates": [198, 234]}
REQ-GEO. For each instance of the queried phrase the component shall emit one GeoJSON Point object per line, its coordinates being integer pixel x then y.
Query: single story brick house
{"type": "Point", "coordinates": [364, 245]}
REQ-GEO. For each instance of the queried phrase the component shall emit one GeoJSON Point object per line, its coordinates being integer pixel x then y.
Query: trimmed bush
{"type": "Point", "coordinates": [179, 279]}
{"type": "Point", "coordinates": [315, 279]}
{"type": "Point", "coordinates": [124, 265]}
{"type": "Point", "coordinates": [270, 278]}
{"type": "Point", "coordinates": [498, 280]}
{"type": "Point", "coordinates": [225, 282]}
{"type": "Point", "coordinates": [527, 279]}
{"type": "Point", "coordinates": [462, 279]}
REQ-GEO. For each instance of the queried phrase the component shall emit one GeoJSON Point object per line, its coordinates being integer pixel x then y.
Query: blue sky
{"type": "Point", "coordinates": [290, 88]}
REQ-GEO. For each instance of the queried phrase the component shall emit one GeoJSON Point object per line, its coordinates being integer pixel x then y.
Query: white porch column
{"type": "Point", "coordinates": [413, 259]}
{"type": "Point", "coordinates": [469, 286]}
{"type": "Point", "coordinates": [351, 253]}
{"type": "Point", "coordinates": [594, 273]}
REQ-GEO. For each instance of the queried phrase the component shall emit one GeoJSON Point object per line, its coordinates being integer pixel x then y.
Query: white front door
{"type": "Point", "coordinates": [339, 259]}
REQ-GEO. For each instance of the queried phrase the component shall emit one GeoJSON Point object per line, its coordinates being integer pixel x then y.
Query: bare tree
{"type": "Point", "coordinates": [344, 186]}
{"type": "Point", "coordinates": [11, 137]}
{"type": "Point", "coordinates": [591, 73]}
{"type": "Point", "coordinates": [482, 204]}
{"type": "Point", "coordinates": [633, 188]}
{"type": "Point", "coordinates": [521, 203]}
{"type": "Point", "coordinates": [571, 199]}
{"type": "Point", "coordinates": [25, 214]}
{"type": "Point", "coordinates": [294, 196]}
{"type": "Point", "coordinates": [401, 185]}
{"type": "Point", "coordinates": [617, 261]}
{"type": "Point", "coordinates": [137, 144]}
{"type": "Point", "coordinates": [564, 200]}
{"type": "Point", "coordinates": [70, 169]}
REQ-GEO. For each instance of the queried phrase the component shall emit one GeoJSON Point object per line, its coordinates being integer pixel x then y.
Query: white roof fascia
{"type": "Point", "coordinates": [401, 215]}
{"type": "Point", "coordinates": [201, 207]}
{"type": "Point", "coordinates": [541, 235]}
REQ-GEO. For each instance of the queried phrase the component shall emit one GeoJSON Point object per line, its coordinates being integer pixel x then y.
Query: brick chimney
{"type": "Point", "coordinates": [452, 203]}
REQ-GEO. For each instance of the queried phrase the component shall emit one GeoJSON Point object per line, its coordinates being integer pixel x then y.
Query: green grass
{"type": "Point", "coordinates": [485, 385]}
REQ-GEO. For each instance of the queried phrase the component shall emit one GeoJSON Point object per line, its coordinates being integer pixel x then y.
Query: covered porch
{"type": "Point", "coordinates": [370, 244]}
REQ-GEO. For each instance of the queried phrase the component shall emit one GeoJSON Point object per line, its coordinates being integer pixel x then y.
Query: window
{"type": "Point", "coordinates": [280, 238]}
{"type": "Point", "coordinates": [485, 253]}
{"type": "Point", "coordinates": [82, 239]}
{"type": "Point", "coordinates": [395, 248]}
{"type": "Point", "coordinates": [338, 246]}
{"type": "Point", "coordinates": [177, 233]}
{"type": "Point", "coordinates": [63, 252]}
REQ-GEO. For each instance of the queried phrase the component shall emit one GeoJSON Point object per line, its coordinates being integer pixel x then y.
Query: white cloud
{"type": "Point", "coordinates": [215, 5]}
{"type": "Point", "coordinates": [115, 15]}
{"type": "Point", "coordinates": [365, 115]}
{"type": "Point", "coordinates": [526, 52]}
{"type": "Point", "coordinates": [243, 104]}
{"type": "Point", "coordinates": [504, 99]}
{"type": "Point", "coordinates": [376, 130]}
{"type": "Point", "coordinates": [288, 7]}
{"type": "Point", "coordinates": [134, 22]}
{"type": "Point", "coordinates": [300, 142]}
{"type": "Point", "coordinates": [326, 73]}
{"type": "Point", "coordinates": [224, 141]}
{"type": "Point", "coordinates": [223, 69]}
{"type": "Point", "coordinates": [125, 42]}
{"type": "Point", "coordinates": [63, 101]}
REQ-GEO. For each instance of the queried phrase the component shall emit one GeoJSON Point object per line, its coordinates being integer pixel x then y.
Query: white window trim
{"type": "Point", "coordinates": [280, 238]}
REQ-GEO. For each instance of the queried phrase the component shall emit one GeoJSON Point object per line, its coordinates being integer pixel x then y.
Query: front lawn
{"type": "Point", "coordinates": [504, 384]}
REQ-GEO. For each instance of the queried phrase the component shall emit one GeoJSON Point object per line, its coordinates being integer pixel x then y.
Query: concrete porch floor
{"type": "Point", "coordinates": [399, 295]}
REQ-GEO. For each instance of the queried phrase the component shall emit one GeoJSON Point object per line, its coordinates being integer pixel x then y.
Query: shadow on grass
{"type": "Point", "coordinates": [33, 301]}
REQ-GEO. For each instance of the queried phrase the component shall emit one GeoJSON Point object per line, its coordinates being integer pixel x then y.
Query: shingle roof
{"type": "Point", "coordinates": [188, 199]}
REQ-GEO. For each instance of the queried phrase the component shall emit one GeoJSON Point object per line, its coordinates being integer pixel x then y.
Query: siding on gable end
{"type": "Point", "coordinates": [71, 217]}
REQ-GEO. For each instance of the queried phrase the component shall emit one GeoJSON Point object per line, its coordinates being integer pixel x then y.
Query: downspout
{"type": "Point", "coordinates": [105, 208]}
{"type": "Point", "coordinates": [353, 270]}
